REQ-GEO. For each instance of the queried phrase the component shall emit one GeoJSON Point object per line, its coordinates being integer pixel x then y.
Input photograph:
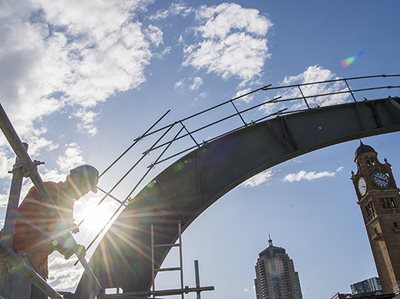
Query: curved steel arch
{"type": "Point", "coordinates": [189, 186]}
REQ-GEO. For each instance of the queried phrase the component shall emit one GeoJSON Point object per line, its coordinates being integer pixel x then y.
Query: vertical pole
{"type": "Point", "coordinates": [30, 166]}
{"type": "Point", "coordinates": [197, 276]}
{"type": "Point", "coordinates": [180, 255]}
{"type": "Point", "coordinates": [7, 237]}
{"type": "Point", "coordinates": [13, 201]}
{"type": "Point", "coordinates": [152, 262]}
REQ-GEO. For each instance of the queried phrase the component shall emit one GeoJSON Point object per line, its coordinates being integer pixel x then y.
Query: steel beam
{"type": "Point", "coordinates": [190, 185]}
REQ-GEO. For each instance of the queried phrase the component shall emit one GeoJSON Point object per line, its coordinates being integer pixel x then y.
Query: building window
{"type": "Point", "coordinates": [369, 208]}
{"type": "Point", "coordinates": [383, 203]}
{"type": "Point", "coordinates": [388, 203]}
{"type": "Point", "coordinates": [370, 161]}
{"type": "Point", "coordinates": [392, 203]}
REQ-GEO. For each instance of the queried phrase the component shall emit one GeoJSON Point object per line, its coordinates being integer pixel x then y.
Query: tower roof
{"type": "Point", "coordinates": [364, 148]}
{"type": "Point", "coordinates": [271, 249]}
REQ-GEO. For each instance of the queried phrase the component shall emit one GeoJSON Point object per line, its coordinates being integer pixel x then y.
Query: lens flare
{"type": "Point", "coordinates": [349, 60]}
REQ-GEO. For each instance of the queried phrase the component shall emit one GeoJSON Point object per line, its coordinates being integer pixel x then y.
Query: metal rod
{"type": "Point", "coordinates": [13, 201]}
{"type": "Point", "coordinates": [348, 86]}
{"type": "Point", "coordinates": [88, 269]}
{"type": "Point", "coordinates": [216, 122]}
{"type": "Point", "coordinates": [127, 173]}
{"type": "Point", "coordinates": [211, 108]}
{"type": "Point", "coordinates": [338, 92]}
{"type": "Point", "coordinates": [334, 80]}
{"type": "Point", "coordinates": [304, 98]}
{"type": "Point", "coordinates": [279, 101]}
{"type": "Point", "coordinates": [238, 113]}
{"type": "Point", "coordinates": [30, 169]}
{"type": "Point", "coordinates": [268, 87]}
{"type": "Point", "coordinates": [151, 167]}
{"type": "Point", "coordinates": [134, 295]}
{"type": "Point", "coordinates": [7, 237]}
{"type": "Point", "coordinates": [197, 277]}
{"type": "Point", "coordinates": [109, 194]}
{"type": "Point", "coordinates": [191, 136]}
{"type": "Point", "coordinates": [127, 197]}
{"type": "Point", "coordinates": [133, 144]}
{"type": "Point", "coordinates": [27, 270]}
{"type": "Point", "coordinates": [181, 255]}
{"type": "Point", "coordinates": [152, 261]}
{"type": "Point", "coordinates": [219, 136]}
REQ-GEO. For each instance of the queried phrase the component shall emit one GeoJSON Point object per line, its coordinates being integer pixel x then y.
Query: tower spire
{"type": "Point", "coordinates": [269, 240]}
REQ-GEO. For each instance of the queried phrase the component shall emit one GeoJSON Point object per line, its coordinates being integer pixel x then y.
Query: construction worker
{"type": "Point", "coordinates": [42, 228]}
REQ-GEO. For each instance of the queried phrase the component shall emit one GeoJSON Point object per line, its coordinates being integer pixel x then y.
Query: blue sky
{"type": "Point", "coordinates": [81, 79]}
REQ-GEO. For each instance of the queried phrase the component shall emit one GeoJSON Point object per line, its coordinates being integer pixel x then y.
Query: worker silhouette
{"type": "Point", "coordinates": [44, 227]}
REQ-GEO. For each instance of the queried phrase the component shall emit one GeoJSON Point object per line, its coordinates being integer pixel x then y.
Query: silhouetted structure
{"type": "Point", "coordinates": [371, 295]}
{"type": "Point", "coordinates": [275, 275]}
{"type": "Point", "coordinates": [379, 200]}
{"type": "Point", "coordinates": [366, 286]}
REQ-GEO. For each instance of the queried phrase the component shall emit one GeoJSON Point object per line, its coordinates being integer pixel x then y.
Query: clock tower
{"type": "Point", "coordinates": [379, 200]}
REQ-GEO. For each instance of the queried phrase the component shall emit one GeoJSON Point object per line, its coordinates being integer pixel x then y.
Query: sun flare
{"type": "Point", "coordinates": [97, 217]}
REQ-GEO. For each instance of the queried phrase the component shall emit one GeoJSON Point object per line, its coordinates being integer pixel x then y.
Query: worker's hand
{"type": "Point", "coordinates": [75, 228]}
{"type": "Point", "coordinates": [67, 253]}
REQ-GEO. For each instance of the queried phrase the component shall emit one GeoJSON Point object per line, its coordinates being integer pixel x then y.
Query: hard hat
{"type": "Point", "coordinates": [89, 173]}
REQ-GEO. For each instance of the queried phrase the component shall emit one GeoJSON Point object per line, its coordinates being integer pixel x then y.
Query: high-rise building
{"type": "Point", "coordinates": [366, 286]}
{"type": "Point", "coordinates": [379, 200]}
{"type": "Point", "coordinates": [275, 275]}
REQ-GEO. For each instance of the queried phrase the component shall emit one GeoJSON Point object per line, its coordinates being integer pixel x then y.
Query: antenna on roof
{"type": "Point", "coordinates": [269, 240]}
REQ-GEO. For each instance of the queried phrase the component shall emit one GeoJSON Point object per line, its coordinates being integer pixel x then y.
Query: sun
{"type": "Point", "coordinates": [97, 217]}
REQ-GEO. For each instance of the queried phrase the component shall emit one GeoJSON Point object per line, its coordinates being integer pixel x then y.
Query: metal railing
{"type": "Point", "coordinates": [279, 100]}
{"type": "Point", "coordinates": [301, 96]}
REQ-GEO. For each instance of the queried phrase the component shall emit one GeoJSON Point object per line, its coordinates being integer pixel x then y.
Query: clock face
{"type": "Point", "coordinates": [362, 186]}
{"type": "Point", "coordinates": [381, 179]}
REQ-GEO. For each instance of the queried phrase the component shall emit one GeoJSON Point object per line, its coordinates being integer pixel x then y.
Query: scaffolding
{"type": "Point", "coordinates": [25, 167]}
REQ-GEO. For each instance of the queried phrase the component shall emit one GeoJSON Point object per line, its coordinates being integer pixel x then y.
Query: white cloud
{"type": "Point", "coordinates": [87, 118]}
{"type": "Point", "coordinates": [73, 55]}
{"type": "Point", "coordinates": [232, 41]}
{"type": "Point", "coordinates": [71, 158]}
{"type": "Point", "coordinates": [154, 34]}
{"type": "Point", "coordinates": [340, 169]}
{"type": "Point", "coordinates": [197, 82]}
{"type": "Point", "coordinates": [201, 95]}
{"type": "Point", "coordinates": [63, 275]}
{"type": "Point", "coordinates": [246, 99]}
{"type": "Point", "coordinates": [3, 203]}
{"type": "Point", "coordinates": [176, 8]}
{"type": "Point", "coordinates": [179, 84]}
{"type": "Point", "coordinates": [186, 84]}
{"type": "Point", "coordinates": [313, 73]}
{"type": "Point", "coordinates": [6, 164]}
{"type": "Point", "coordinates": [309, 176]}
{"type": "Point", "coordinates": [59, 53]}
{"type": "Point", "coordinates": [258, 179]}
